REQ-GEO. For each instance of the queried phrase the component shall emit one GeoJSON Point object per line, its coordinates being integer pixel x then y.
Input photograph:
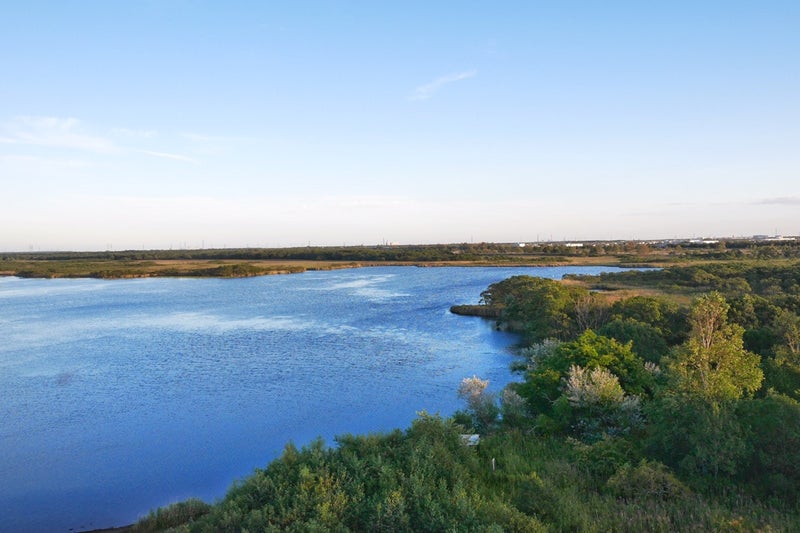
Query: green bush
{"type": "Point", "coordinates": [172, 516]}
{"type": "Point", "coordinates": [603, 458]}
{"type": "Point", "coordinates": [647, 480]}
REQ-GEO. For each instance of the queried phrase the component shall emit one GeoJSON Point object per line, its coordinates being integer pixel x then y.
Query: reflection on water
{"type": "Point", "coordinates": [121, 396]}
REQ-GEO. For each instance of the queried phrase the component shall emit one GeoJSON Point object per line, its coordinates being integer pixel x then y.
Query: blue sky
{"type": "Point", "coordinates": [178, 123]}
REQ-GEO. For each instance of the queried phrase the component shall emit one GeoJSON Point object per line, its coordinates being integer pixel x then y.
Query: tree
{"type": "Point", "coordinates": [774, 434]}
{"type": "Point", "coordinates": [482, 405]}
{"type": "Point", "coordinates": [787, 326]}
{"type": "Point", "coordinates": [782, 372]}
{"type": "Point", "coordinates": [662, 315]}
{"type": "Point", "coordinates": [713, 363]}
{"type": "Point", "coordinates": [544, 382]}
{"type": "Point", "coordinates": [589, 312]}
{"type": "Point", "coordinates": [694, 421]}
{"type": "Point", "coordinates": [538, 307]}
{"type": "Point", "coordinates": [646, 340]}
{"type": "Point", "coordinates": [703, 441]}
{"type": "Point", "coordinates": [599, 407]}
{"type": "Point", "coordinates": [591, 350]}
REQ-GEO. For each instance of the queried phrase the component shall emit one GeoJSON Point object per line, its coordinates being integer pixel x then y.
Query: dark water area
{"type": "Point", "coordinates": [120, 396]}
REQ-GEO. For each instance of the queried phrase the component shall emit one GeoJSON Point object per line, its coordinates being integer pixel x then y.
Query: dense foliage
{"type": "Point", "coordinates": [646, 413]}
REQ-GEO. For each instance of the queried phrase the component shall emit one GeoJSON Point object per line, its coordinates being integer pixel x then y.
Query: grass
{"type": "Point", "coordinates": [260, 261]}
{"type": "Point", "coordinates": [115, 269]}
{"type": "Point", "coordinates": [112, 269]}
{"type": "Point", "coordinates": [171, 517]}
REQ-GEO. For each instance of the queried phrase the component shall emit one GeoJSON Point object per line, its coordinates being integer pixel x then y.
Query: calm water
{"type": "Point", "coordinates": [120, 396]}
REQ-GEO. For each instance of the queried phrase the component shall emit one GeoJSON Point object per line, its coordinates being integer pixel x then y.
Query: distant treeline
{"type": "Point", "coordinates": [630, 251]}
{"type": "Point", "coordinates": [310, 253]}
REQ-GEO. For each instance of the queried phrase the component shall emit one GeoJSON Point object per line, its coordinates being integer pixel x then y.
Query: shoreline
{"type": "Point", "coordinates": [50, 269]}
{"type": "Point", "coordinates": [132, 522]}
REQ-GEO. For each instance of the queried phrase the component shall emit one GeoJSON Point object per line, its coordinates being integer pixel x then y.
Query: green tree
{"type": "Point", "coordinates": [695, 426]}
{"type": "Point", "coordinates": [646, 340]}
{"type": "Point", "coordinates": [782, 370]}
{"type": "Point", "coordinates": [591, 350]}
{"type": "Point", "coordinates": [773, 425]}
{"type": "Point", "coordinates": [787, 327]}
{"type": "Point", "coordinates": [660, 314]}
{"type": "Point", "coordinates": [544, 381]}
{"type": "Point", "coordinates": [539, 308]}
{"type": "Point", "coordinates": [713, 363]}
{"type": "Point", "coordinates": [701, 440]}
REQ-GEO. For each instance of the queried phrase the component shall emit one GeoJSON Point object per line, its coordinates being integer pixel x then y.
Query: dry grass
{"type": "Point", "coordinates": [193, 267]}
{"type": "Point", "coordinates": [162, 267]}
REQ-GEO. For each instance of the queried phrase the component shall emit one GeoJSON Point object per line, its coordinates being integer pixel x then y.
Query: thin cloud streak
{"type": "Point", "coordinates": [781, 200]}
{"type": "Point", "coordinates": [56, 132]}
{"type": "Point", "coordinates": [142, 134]}
{"type": "Point", "coordinates": [426, 91]}
{"type": "Point", "coordinates": [201, 138]}
{"type": "Point", "coordinates": [166, 155]}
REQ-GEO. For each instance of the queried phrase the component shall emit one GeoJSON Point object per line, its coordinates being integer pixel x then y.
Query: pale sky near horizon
{"type": "Point", "coordinates": [180, 123]}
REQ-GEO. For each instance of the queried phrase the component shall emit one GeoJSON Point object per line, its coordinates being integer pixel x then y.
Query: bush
{"type": "Point", "coordinates": [773, 432]}
{"type": "Point", "coordinates": [603, 458]}
{"type": "Point", "coordinates": [172, 516]}
{"type": "Point", "coordinates": [646, 340]}
{"type": "Point", "coordinates": [649, 480]}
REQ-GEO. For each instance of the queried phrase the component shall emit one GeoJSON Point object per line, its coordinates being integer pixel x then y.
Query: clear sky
{"type": "Point", "coordinates": [181, 123]}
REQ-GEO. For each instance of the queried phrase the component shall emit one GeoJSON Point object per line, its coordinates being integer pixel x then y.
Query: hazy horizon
{"type": "Point", "coordinates": [528, 243]}
{"type": "Point", "coordinates": [155, 125]}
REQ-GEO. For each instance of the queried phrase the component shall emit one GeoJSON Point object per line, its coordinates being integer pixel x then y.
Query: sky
{"type": "Point", "coordinates": [189, 124]}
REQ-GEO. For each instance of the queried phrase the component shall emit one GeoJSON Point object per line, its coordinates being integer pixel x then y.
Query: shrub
{"type": "Point", "coordinates": [172, 516]}
{"type": "Point", "coordinates": [603, 458]}
{"type": "Point", "coordinates": [648, 479]}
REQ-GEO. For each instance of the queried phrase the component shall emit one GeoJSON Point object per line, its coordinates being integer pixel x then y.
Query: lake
{"type": "Point", "coordinates": [120, 396]}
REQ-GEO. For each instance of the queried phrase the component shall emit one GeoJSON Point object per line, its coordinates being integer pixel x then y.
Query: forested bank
{"type": "Point", "coordinates": [666, 402]}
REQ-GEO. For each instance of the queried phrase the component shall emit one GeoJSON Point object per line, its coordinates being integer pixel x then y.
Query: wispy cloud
{"type": "Point", "coordinates": [166, 155]}
{"type": "Point", "coordinates": [55, 132]}
{"type": "Point", "coordinates": [426, 91]}
{"type": "Point", "coordinates": [201, 138]}
{"type": "Point", "coordinates": [69, 133]}
{"type": "Point", "coordinates": [30, 162]}
{"type": "Point", "coordinates": [781, 200]}
{"type": "Point", "coordinates": [139, 134]}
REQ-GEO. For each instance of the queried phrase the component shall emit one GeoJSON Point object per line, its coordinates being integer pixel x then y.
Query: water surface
{"type": "Point", "coordinates": [120, 396]}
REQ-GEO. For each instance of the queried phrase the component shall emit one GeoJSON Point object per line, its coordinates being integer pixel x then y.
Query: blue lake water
{"type": "Point", "coordinates": [117, 397]}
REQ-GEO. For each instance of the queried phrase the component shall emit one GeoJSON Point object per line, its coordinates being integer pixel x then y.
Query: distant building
{"type": "Point", "coordinates": [772, 238]}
